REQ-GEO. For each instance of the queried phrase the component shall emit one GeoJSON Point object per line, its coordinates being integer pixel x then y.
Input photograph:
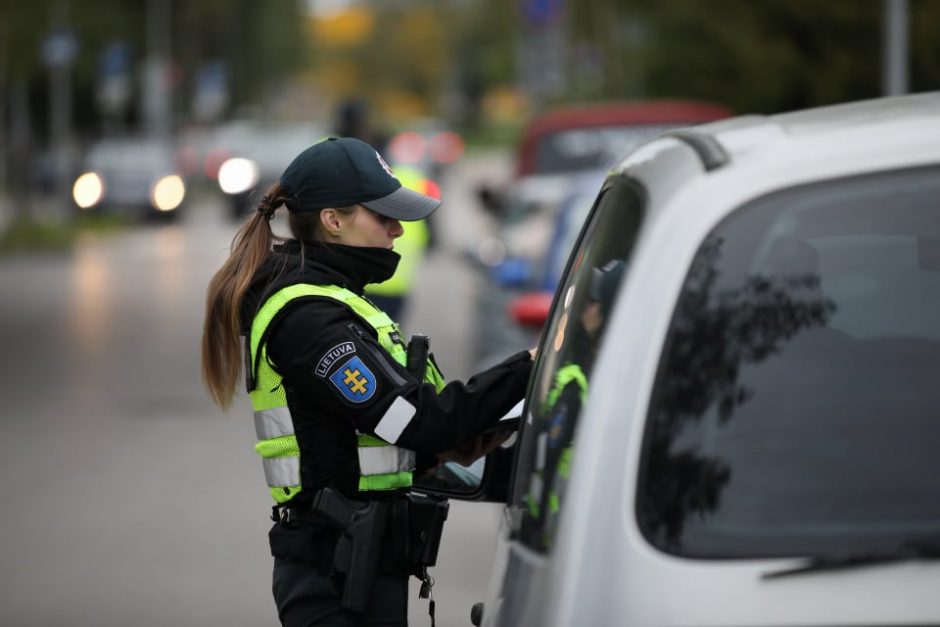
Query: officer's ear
{"type": "Point", "coordinates": [330, 219]}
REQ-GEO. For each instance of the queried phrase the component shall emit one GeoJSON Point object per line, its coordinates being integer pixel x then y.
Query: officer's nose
{"type": "Point", "coordinates": [395, 229]}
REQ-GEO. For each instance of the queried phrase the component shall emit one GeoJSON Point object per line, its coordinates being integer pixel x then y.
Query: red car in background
{"type": "Point", "coordinates": [592, 136]}
{"type": "Point", "coordinates": [556, 151]}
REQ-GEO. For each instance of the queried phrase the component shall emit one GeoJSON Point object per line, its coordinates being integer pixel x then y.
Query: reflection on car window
{"type": "Point", "coordinates": [795, 409]}
{"type": "Point", "coordinates": [566, 358]}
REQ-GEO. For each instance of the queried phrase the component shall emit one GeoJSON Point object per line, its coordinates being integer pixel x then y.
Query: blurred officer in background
{"type": "Point", "coordinates": [353, 119]}
{"type": "Point", "coordinates": [345, 412]}
{"type": "Point", "coordinates": [392, 296]}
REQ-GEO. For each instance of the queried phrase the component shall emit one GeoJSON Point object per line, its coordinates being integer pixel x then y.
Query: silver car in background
{"type": "Point", "coordinates": [130, 176]}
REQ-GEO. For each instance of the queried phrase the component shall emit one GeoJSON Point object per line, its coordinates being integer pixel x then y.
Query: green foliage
{"type": "Point", "coordinates": [262, 43]}
{"type": "Point", "coordinates": [766, 56]}
{"type": "Point", "coordinates": [31, 235]}
{"type": "Point", "coordinates": [755, 55]}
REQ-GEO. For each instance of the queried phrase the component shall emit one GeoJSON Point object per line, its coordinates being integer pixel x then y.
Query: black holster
{"type": "Point", "coordinates": [397, 535]}
{"type": "Point", "coordinates": [358, 552]}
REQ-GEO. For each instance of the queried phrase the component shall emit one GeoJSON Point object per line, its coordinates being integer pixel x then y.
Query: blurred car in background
{"type": "Point", "coordinates": [520, 293]}
{"type": "Point", "coordinates": [246, 157]}
{"type": "Point", "coordinates": [530, 309]}
{"type": "Point", "coordinates": [555, 151]}
{"type": "Point", "coordinates": [131, 176]}
{"type": "Point", "coordinates": [557, 147]}
{"type": "Point", "coordinates": [427, 147]}
{"type": "Point", "coordinates": [426, 144]}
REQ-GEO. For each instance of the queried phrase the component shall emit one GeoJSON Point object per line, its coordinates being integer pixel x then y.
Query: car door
{"type": "Point", "coordinates": [596, 271]}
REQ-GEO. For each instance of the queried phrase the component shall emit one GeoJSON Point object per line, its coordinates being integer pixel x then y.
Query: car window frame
{"type": "Point", "coordinates": [517, 483]}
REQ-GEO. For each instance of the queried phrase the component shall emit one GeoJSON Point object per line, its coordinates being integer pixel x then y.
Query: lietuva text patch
{"type": "Point", "coordinates": [354, 380]}
{"type": "Point", "coordinates": [330, 357]}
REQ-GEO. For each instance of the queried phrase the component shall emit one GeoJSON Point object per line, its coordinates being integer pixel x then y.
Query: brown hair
{"type": "Point", "coordinates": [221, 349]}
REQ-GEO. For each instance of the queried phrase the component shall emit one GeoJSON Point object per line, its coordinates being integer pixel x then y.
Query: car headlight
{"type": "Point", "coordinates": [238, 175]}
{"type": "Point", "coordinates": [88, 190]}
{"type": "Point", "coordinates": [168, 193]}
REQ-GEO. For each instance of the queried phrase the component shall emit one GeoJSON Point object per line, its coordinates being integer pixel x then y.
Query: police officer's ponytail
{"type": "Point", "coordinates": [221, 348]}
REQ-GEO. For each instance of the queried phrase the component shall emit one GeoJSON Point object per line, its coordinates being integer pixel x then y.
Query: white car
{"type": "Point", "coordinates": [130, 176]}
{"type": "Point", "coordinates": [735, 411]}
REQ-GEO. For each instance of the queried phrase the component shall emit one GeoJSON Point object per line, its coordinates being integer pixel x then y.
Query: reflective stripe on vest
{"type": "Point", "coordinates": [382, 466]}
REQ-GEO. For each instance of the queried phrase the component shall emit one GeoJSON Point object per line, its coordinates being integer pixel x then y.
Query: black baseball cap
{"type": "Point", "coordinates": [344, 171]}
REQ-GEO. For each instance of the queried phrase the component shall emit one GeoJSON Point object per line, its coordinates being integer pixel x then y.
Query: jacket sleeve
{"type": "Point", "coordinates": [333, 361]}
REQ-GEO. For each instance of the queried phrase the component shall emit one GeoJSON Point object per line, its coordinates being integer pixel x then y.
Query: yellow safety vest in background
{"type": "Point", "coordinates": [411, 245]}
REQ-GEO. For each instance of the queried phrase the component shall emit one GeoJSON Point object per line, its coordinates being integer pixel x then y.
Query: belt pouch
{"type": "Point", "coordinates": [426, 516]}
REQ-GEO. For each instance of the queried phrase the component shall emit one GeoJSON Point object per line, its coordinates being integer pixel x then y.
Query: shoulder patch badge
{"type": "Point", "coordinates": [330, 357]}
{"type": "Point", "coordinates": [354, 380]}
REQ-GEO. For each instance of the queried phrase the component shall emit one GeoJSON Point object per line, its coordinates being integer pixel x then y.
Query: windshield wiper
{"type": "Point", "coordinates": [908, 551]}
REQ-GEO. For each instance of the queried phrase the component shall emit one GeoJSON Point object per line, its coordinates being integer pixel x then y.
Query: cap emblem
{"type": "Point", "coordinates": [385, 165]}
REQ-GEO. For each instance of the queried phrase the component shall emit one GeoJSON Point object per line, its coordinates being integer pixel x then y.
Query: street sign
{"type": "Point", "coordinates": [58, 48]}
{"type": "Point", "coordinates": [541, 11]}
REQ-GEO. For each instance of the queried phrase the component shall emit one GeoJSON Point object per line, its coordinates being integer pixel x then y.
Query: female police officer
{"type": "Point", "coordinates": [342, 424]}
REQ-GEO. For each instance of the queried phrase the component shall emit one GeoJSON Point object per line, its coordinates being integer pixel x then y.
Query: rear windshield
{"type": "Point", "coordinates": [797, 405]}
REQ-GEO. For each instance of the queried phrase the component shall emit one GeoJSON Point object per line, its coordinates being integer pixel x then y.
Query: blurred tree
{"type": "Point", "coordinates": [767, 56]}
{"type": "Point", "coordinates": [261, 43]}
{"type": "Point", "coordinates": [261, 46]}
{"type": "Point", "coordinates": [486, 41]}
{"type": "Point", "coordinates": [393, 53]}
{"type": "Point", "coordinates": [418, 57]}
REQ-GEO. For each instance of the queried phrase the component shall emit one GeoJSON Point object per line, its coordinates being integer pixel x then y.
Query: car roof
{"type": "Point", "coordinates": [869, 122]}
{"type": "Point", "coordinates": [856, 137]}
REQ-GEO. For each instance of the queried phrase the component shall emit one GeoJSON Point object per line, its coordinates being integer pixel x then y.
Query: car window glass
{"type": "Point", "coordinates": [795, 407]}
{"type": "Point", "coordinates": [571, 216]}
{"type": "Point", "coordinates": [566, 358]}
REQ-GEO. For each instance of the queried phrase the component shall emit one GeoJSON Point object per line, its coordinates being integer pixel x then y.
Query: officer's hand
{"type": "Point", "coordinates": [474, 449]}
{"type": "Point", "coordinates": [533, 352]}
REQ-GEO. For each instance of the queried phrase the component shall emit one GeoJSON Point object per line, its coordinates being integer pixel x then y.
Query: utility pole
{"type": "Point", "coordinates": [895, 48]}
{"type": "Point", "coordinates": [58, 51]}
{"type": "Point", "coordinates": [157, 110]}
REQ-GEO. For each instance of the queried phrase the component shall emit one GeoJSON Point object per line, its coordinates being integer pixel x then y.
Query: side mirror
{"type": "Point", "coordinates": [487, 479]}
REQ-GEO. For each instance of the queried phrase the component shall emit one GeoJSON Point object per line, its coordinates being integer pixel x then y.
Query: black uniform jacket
{"type": "Point", "coordinates": [338, 379]}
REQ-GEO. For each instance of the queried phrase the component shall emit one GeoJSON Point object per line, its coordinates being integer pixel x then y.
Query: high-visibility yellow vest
{"type": "Point", "coordinates": [382, 466]}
